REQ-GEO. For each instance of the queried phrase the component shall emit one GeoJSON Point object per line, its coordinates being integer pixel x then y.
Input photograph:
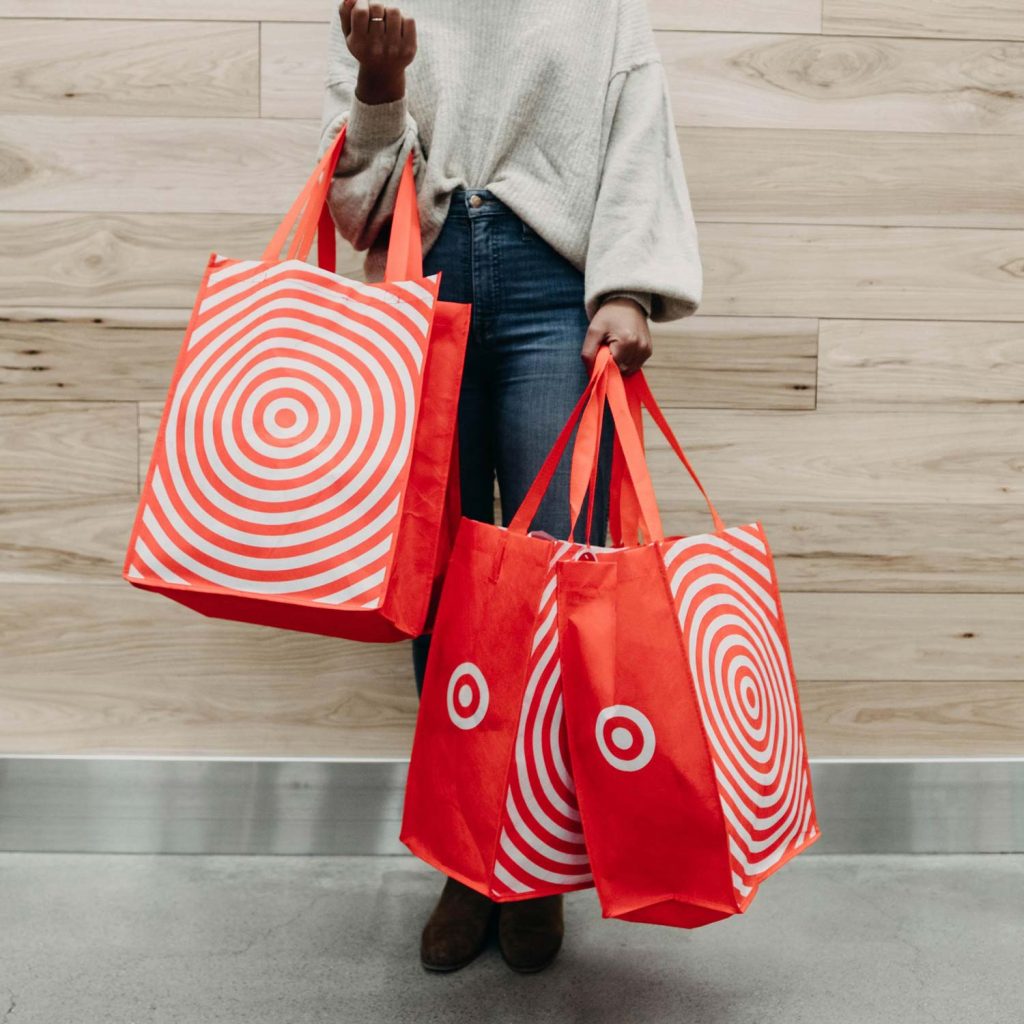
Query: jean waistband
{"type": "Point", "coordinates": [478, 202]}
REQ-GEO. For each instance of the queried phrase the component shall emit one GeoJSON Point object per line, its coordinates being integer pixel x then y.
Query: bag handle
{"type": "Point", "coordinates": [633, 466]}
{"type": "Point", "coordinates": [309, 214]}
{"type": "Point", "coordinates": [589, 411]}
{"type": "Point", "coordinates": [527, 510]}
{"type": "Point", "coordinates": [640, 395]}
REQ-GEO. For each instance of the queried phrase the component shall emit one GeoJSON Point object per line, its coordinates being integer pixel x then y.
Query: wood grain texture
{"type": "Point", "coordinates": [764, 270]}
{"type": "Point", "coordinates": [129, 68]}
{"type": "Point", "coordinates": [177, 10]}
{"type": "Point", "coordinates": [879, 546]}
{"type": "Point", "coordinates": [863, 272]}
{"type": "Point", "coordinates": [981, 19]}
{"type": "Point", "coordinates": [897, 718]}
{"type": "Point", "coordinates": [792, 176]}
{"type": "Point", "coordinates": [749, 457]}
{"type": "Point", "coordinates": [840, 456]}
{"type": "Point", "coordinates": [830, 83]}
{"type": "Point", "coordinates": [136, 673]}
{"type": "Point", "coordinates": [138, 261]}
{"type": "Point", "coordinates": [912, 365]}
{"type": "Point", "coordinates": [127, 354]}
{"type": "Point", "coordinates": [854, 380]}
{"type": "Point", "coordinates": [65, 540]}
{"type": "Point", "coordinates": [67, 450]}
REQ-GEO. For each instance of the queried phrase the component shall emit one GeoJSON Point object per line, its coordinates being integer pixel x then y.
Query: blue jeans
{"type": "Point", "coordinates": [523, 371]}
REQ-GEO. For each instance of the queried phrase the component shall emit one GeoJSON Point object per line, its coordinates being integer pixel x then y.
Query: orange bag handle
{"type": "Point", "coordinates": [640, 395]}
{"type": "Point", "coordinates": [531, 502]}
{"type": "Point", "coordinates": [309, 215]}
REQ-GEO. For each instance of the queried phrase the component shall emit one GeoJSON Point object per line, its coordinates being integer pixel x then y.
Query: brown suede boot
{"type": "Point", "coordinates": [530, 932]}
{"type": "Point", "coordinates": [457, 930]}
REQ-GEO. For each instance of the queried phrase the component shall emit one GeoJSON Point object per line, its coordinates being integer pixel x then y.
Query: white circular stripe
{"type": "Point", "coordinates": [272, 423]}
{"type": "Point", "coordinates": [637, 718]}
{"type": "Point", "coordinates": [321, 417]}
{"type": "Point", "coordinates": [336, 499]}
{"type": "Point", "coordinates": [462, 692]}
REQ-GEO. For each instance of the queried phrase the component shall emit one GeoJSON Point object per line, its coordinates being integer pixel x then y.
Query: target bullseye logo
{"type": "Point", "coordinates": [625, 737]}
{"type": "Point", "coordinates": [468, 696]}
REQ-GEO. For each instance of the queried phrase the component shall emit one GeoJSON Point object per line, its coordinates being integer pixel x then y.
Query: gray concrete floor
{"type": "Point", "coordinates": [124, 939]}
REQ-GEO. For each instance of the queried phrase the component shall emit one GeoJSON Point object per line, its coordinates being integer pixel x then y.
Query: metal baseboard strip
{"type": "Point", "coordinates": [312, 806]}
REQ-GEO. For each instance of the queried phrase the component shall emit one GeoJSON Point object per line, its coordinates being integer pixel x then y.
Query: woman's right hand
{"type": "Point", "coordinates": [384, 49]}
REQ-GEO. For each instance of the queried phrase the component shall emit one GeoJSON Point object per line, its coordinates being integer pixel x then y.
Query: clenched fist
{"type": "Point", "coordinates": [383, 41]}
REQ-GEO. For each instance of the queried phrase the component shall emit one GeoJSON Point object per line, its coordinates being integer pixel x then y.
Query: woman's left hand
{"type": "Point", "coordinates": [622, 324]}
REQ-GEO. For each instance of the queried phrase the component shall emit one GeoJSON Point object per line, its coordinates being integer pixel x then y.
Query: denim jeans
{"type": "Point", "coordinates": [523, 372]}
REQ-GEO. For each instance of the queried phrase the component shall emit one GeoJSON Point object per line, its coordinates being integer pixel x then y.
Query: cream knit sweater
{"type": "Point", "coordinates": [560, 109]}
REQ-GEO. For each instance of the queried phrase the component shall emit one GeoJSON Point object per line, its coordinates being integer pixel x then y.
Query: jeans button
{"type": "Point", "coordinates": [475, 200]}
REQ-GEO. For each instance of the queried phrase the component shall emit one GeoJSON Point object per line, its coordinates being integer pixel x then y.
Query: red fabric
{"type": "Point", "coordinates": [669, 693]}
{"type": "Point", "coordinates": [302, 473]}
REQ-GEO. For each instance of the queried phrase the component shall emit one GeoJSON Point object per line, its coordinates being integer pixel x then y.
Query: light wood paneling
{"type": "Point", "coordinates": [897, 718]}
{"type": "Point", "coordinates": [876, 365]}
{"type": "Point", "coordinates": [842, 177]}
{"type": "Point", "coordinates": [724, 362]}
{"type": "Point", "coordinates": [977, 19]}
{"type": "Point", "coordinates": [183, 10]}
{"type": "Point", "coordinates": [934, 456]}
{"type": "Point", "coordinates": [737, 15]}
{"type": "Point", "coordinates": [129, 68]}
{"type": "Point", "coordinates": [832, 83]}
{"type": "Point", "coordinates": [111, 261]}
{"type": "Point", "coordinates": [877, 546]}
{"type": "Point", "coordinates": [763, 270]}
{"type": "Point", "coordinates": [854, 379]}
{"type": "Point", "coordinates": [68, 449]}
{"type": "Point", "coordinates": [135, 673]}
{"type": "Point", "coordinates": [863, 272]}
{"type": "Point", "coordinates": [65, 540]}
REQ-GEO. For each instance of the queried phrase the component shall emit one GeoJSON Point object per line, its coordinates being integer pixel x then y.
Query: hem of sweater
{"type": "Point", "coordinates": [374, 125]}
{"type": "Point", "coordinates": [642, 299]}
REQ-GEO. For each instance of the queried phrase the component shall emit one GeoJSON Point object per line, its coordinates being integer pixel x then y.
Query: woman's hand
{"type": "Point", "coordinates": [622, 324]}
{"type": "Point", "coordinates": [384, 48]}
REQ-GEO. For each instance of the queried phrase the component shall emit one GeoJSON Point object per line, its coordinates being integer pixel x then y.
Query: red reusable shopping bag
{"type": "Point", "coordinates": [684, 724]}
{"type": "Point", "coordinates": [490, 797]}
{"type": "Point", "coordinates": [304, 474]}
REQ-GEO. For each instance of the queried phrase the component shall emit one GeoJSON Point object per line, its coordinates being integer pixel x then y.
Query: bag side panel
{"type": "Point", "coordinates": [729, 616]}
{"type": "Point", "coordinates": [414, 570]}
{"type": "Point", "coordinates": [470, 706]}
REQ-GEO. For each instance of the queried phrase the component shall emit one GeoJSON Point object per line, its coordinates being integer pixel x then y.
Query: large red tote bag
{"type": "Point", "coordinates": [684, 725]}
{"type": "Point", "coordinates": [490, 798]}
{"type": "Point", "coordinates": [304, 474]}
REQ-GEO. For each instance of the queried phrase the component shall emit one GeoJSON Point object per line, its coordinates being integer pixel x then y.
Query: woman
{"type": "Point", "coordinates": [552, 197]}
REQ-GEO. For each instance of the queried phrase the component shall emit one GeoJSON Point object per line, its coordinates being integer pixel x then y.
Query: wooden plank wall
{"type": "Point", "coordinates": [854, 378]}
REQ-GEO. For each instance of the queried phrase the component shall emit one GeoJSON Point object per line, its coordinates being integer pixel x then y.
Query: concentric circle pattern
{"type": "Point", "coordinates": [468, 696]}
{"type": "Point", "coordinates": [732, 628]}
{"type": "Point", "coordinates": [541, 844]}
{"type": "Point", "coordinates": [287, 435]}
{"type": "Point", "coordinates": [625, 737]}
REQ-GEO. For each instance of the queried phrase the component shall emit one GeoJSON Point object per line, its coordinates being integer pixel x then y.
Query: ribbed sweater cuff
{"type": "Point", "coordinates": [375, 125]}
{"type": "Point", "coordinates": [642, 298]}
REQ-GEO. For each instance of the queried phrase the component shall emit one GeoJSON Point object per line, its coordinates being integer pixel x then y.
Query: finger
{"type": "Point", "coordinates": [409, 34]}
{"type": "Point", "coordinates": [360, 19]}
{"type": "Point", "coordinates": [393, 27]}
{"type": "Point", "coordinates": [346, 15]}
{"type": "Point", "coordinates": [593, 340]}
{"type": "Point", "coordinates": [624, 352]}
{"type": "Point", "coordinates": [376, 19]}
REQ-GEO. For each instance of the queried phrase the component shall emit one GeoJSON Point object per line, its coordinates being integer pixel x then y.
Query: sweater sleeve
{"type": "Point", "coordinates": [377, 144]}
{"type": "Point", "coordinates": [643, 237]}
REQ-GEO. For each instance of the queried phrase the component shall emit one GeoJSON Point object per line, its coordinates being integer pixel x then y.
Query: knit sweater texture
{"type": "Point", "coordinates": [561, 109]}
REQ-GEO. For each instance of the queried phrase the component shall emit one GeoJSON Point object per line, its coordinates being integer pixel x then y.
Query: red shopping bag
{"type": "Point", "coordinates": [490, 798]}
{"type": "Point", "coordinates": [303, 474]}
{"type": "Point", "coordinates": [681, 703]}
